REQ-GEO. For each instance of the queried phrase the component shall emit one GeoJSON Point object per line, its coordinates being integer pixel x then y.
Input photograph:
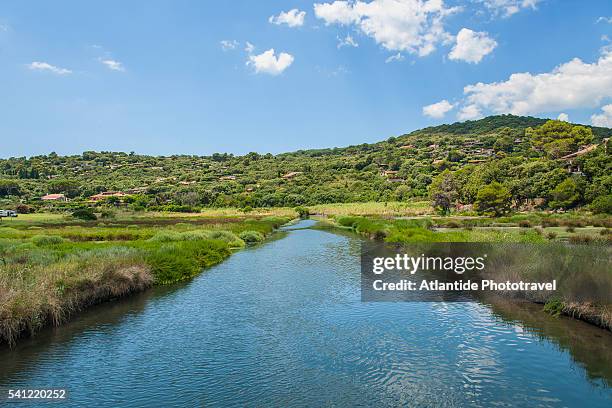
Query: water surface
{"type": "Point", "coordinates": [282, 324]}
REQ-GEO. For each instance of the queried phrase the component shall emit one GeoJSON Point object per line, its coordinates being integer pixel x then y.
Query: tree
{"type": "Point", "coordinates": [68, 187]}
{"type": "Point", "coordinates": [566, 195]}
{"type": "Point", "coordinates": [558, 138]}
{"type": "Point", "coordinates": [9, 187]}
{"type": "Point", "coordinates": [443, 192]}
{"type": "Point", "coordinates": [84, 214]}
{"type": "Point", "coordinates": [602, 205]}
{"type": "Point", "coordinates": [493, 199]}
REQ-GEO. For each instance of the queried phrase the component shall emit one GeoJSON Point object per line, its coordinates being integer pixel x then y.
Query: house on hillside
{"type": "Point", "coordinates": [225, 178]}
{"type": "Point", "coordinates": [388, 173]}
{"type": "Point", "coordinates": [107, 194]}
{"type": "Point", "coordinates": [575, 169]}
{"type": "Point", "coordinates": [54, 197]}
{"type": "Point", "coordinates": [291, 175]}
{"type": "Point", "coordinates": [136, 190]}
{"type": "Point", "coordinates": [407, 147]}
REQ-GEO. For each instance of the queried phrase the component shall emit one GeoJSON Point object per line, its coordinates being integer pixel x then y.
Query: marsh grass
{"type": "Point", "coordinates": [50, 273]}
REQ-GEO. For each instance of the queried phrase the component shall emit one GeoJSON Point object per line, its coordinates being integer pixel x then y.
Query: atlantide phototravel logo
{"type": "Point", "coordinates": [464, 271]}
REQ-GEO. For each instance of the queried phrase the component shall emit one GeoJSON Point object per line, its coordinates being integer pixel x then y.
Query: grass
{"type": "Point", "coordinates": [50, 271]}
{"type": "Point", "coordinates": [385, 209]}
{"type": "Point", "coordinates": [578, 258]}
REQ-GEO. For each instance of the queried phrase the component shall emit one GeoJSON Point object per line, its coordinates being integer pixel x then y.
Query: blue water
{"type": "Point", "coordinates": [282, 324]}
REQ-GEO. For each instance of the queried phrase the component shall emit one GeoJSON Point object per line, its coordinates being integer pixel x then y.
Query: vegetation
{"type": "Point", "coordinates": [48, 272]}
{"type": "Point", "coordinates": [449, 165]}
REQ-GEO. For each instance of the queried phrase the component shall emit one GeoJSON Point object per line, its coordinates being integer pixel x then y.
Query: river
{"type": "Point", "coordinates": [282, 324]}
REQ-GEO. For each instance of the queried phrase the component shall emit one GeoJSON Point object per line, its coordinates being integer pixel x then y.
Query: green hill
{"type": "Point", "coordinates": [521, 153]}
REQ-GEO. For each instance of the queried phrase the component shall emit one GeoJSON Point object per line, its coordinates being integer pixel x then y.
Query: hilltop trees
{"type": "Point", "coordinates": [558, 138]}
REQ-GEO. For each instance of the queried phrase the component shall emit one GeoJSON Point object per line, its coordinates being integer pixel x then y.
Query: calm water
{"type": "Point", "coordinates": [282, 325]}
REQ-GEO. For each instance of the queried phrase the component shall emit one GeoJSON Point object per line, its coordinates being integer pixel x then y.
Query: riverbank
{"type": "Point", "coordinates": [51, 270]}
{"type": "Point", "coordinates": [579, 283]}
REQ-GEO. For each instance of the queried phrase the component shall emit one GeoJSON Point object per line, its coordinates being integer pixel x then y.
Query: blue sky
{"type": "Point", "coordinates": [197, 77]}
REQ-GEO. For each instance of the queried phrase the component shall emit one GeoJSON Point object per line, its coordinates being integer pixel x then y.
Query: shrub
{"type": "Point", "coordinates": [452, 224]}
{"type": "Point", "coordinates": [166, 236]}
{"type": "Point", "coordinates": [551, 235]}
{"type": "Point", "coordinates": [605, 232]}
{"type": "Point", "coordinates": [549, 222]}
{"type": "Point", "coordinates": [303, 212]}
{"type": "Point", "coordinates": [44, 240]}
{"type": "Point", "coordinates": [251, 237]}
{"type": "Point", "coordinates": [602, 205]}
{"type": "Point", "coordinates": [232, 240]}
{"type": "Point", "coordinates": [493, 199]}
{"type": "Point", "coordinates": [106, 213]}
{"type": "Point", "coordinates": [84, 214]}
{"type": "Point", "coordinates": [524, 224]}
{"type": "Point", "coordinates": [554, 307]}
{"type": "Point", "coordinates": [570, 229]}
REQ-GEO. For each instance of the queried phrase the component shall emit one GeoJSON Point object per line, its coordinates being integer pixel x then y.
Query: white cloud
{"type": "Point", "coordinates": [395, 57]}
{"type": "Point", "coordinates": [113, 65]}
{"type": "Point", "coordinates": [414, 26]}
{"type": "Point", "coordinates": [347, 41]}
{"type": "Point", "coordinates": [227, 45]}
{"type": "Point", "coordinates": [564, 117]}
{"type": "Point", "coordinates": [472, 46]}
{"type": "Point", "coordinates": [249, 48]}
{"type": "Point", "coordinates": [506, 8]}
{"type": "Point", "coordinates": [268, 63]}
{"type": "Point", "coordinates": [574, 84]}
{"type": "Point", "coordinates": [469, 112]}
{"type": "Point", "coordinates": [4, 27]}
{"type": "Point", "coordinates": [44, 66]}
{"type": "Point", "coordinates": [607, 20]}
{"type": "Point", "coordinates": [338, 12]}
{"type": "Point", "coordinates": [603, 119]}
{"type": "Point", "coordinates": [438, 110]}
{"type": "Point", "coordinates": [293, 18]}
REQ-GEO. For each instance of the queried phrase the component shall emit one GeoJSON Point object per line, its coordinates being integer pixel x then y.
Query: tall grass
{"type": "Point", "coordinates": [49, 273]}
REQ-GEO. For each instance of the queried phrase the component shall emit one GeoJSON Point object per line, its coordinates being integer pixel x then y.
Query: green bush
{"type": "Point", "coordinates": [44, 240]}
{"type": "Point", "coordinates": [303, 212]}
{"type": "Point", "coordinates": [232, 240]}
{"type": "Point", "coordinates": [84, 214]}
{"type": "Point", "coordinates": [602, 205]}
{"type": "Point", "coordinates": [251, 237]}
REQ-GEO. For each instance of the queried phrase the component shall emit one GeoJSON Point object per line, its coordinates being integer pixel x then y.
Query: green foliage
{"type": "Point", "coordinates": [84, 214]}
{"type": "Point", "coordinates": [554, 307]}
{"type": "Point", "coordinates": [443, 192]}
{"type": "Point", "coordinates": [45, 240]}
{"type": "Point", "coordinates": [177, 261]}
{"type": "Point", "coordinates": [471, 155]}
{"type": "Point", "coordinates": [566, 195]}
{"type": "Point", "coordinates": [558, 138]}
{"type": "Point", "coordinates": [602, 205]}
{"type": "Point", "coordinates": [251, 237]}
{"type": "Point", "coordinates": [303, 212]}
{"type": "Point", "coordinates": [493, 199]}
{"type": "Point", "coordinates": [8, 188]}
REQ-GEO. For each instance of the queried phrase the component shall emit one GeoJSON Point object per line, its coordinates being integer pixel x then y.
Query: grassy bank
{"type": "Point", "coordinates": [576, 255]}
{"type": "Point", "coordinates": [51, 268]}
